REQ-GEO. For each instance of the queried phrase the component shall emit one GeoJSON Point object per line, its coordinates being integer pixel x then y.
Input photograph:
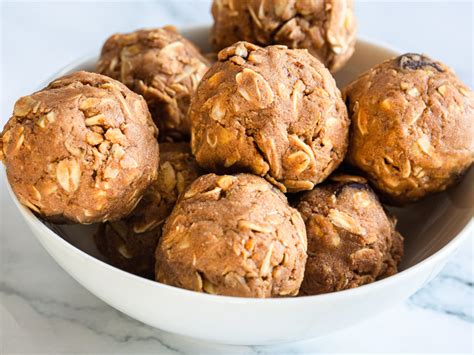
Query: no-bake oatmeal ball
{"type": "Point", "coordinates": [351, 240]}
{"type": "Point", "coordinates": [130, 243]}
{"type": "Point", "coordinates": [327, 28]}
{"type": "Point", "coordinates": [412, 130]}
{"type": "Point", "coordinates": [83, 149]}
{"type": "Point", "coordinates": [162, 66]}
{"type": "Point", "coordinates": [274, 111]}
{"type": "Point", "coordinates": [234, 236]}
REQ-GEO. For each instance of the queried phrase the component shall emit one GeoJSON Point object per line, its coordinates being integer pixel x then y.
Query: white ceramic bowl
{"type": "Point", "coordinates": [433, 230]}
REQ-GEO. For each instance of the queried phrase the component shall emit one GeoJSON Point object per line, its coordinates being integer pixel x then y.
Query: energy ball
{"type": "Point", "coordinates": [412, 130]}
{"type": "Point", "coordinates": [326, 28]}
{"type": "Point", "coordinates": [130, 243]}
{"type": "Point", "coordinates": [351, 240]}
{"type": "Point", "coordinates": [274, 112]}
{"type": "Point", "coordinates": [82, 150]}
{"type": "Point", "coordinates": [162, 66]}
{"type": "Point", "coordinates": [234, 236]}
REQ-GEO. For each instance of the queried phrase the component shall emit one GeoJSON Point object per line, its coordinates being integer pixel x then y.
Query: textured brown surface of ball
{"type": "Point", "coordinates": [274, 112]}
{"type": "Point", "coordinates": [130, 244]}
{"type": "Point", "coordinates": [326, 28]}
{"type": "Point", "coordinates": [351, 240]}
{"type": "Point", "coordinates": [83, 149]}
{"type": "Point", "coordinates": [234, 236]}
{"type": "Point", "coordinates": [412, 130]}
{"type": "Point", "coordinates": [162, 66]}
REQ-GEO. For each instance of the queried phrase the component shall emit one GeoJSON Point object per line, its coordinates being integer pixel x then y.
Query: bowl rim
{"type": "Point", "coordinates": [437, 256]}
{"type": "Point", "coordinates": [36, 223]}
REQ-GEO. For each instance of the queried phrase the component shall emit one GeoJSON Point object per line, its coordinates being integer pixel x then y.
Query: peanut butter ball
{"type": "Point", "coordinates": [326, 28]}
{"type": "Point", "coordinates": [351, 240]}
{"type": "Point", "coordinates": [274, 112]}
{"type": "Point", "coordinates": [412, 130]}
{"type": "Point", "coordinates": [234, 236]}
{"type": "Point", "coordinates": [162, 66]}
{"type": "Point", "coordinates": [130, 243]}
{"type": "Point", "coordinates": [82, 150]}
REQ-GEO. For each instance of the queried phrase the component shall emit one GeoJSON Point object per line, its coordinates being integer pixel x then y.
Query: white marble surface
{"type": "Point", "coordinates": [43, 310]}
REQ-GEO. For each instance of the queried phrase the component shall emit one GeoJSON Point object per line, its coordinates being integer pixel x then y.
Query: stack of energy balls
{"type": "Point", "coordinates": [199, 202]}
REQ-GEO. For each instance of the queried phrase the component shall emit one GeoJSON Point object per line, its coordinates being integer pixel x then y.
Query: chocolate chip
{"type": "Point", "coordinates": [413, 61]}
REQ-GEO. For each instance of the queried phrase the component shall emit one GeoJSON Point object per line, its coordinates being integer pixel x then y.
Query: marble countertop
{"type": "Point", "coordinates": [43, 310]}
